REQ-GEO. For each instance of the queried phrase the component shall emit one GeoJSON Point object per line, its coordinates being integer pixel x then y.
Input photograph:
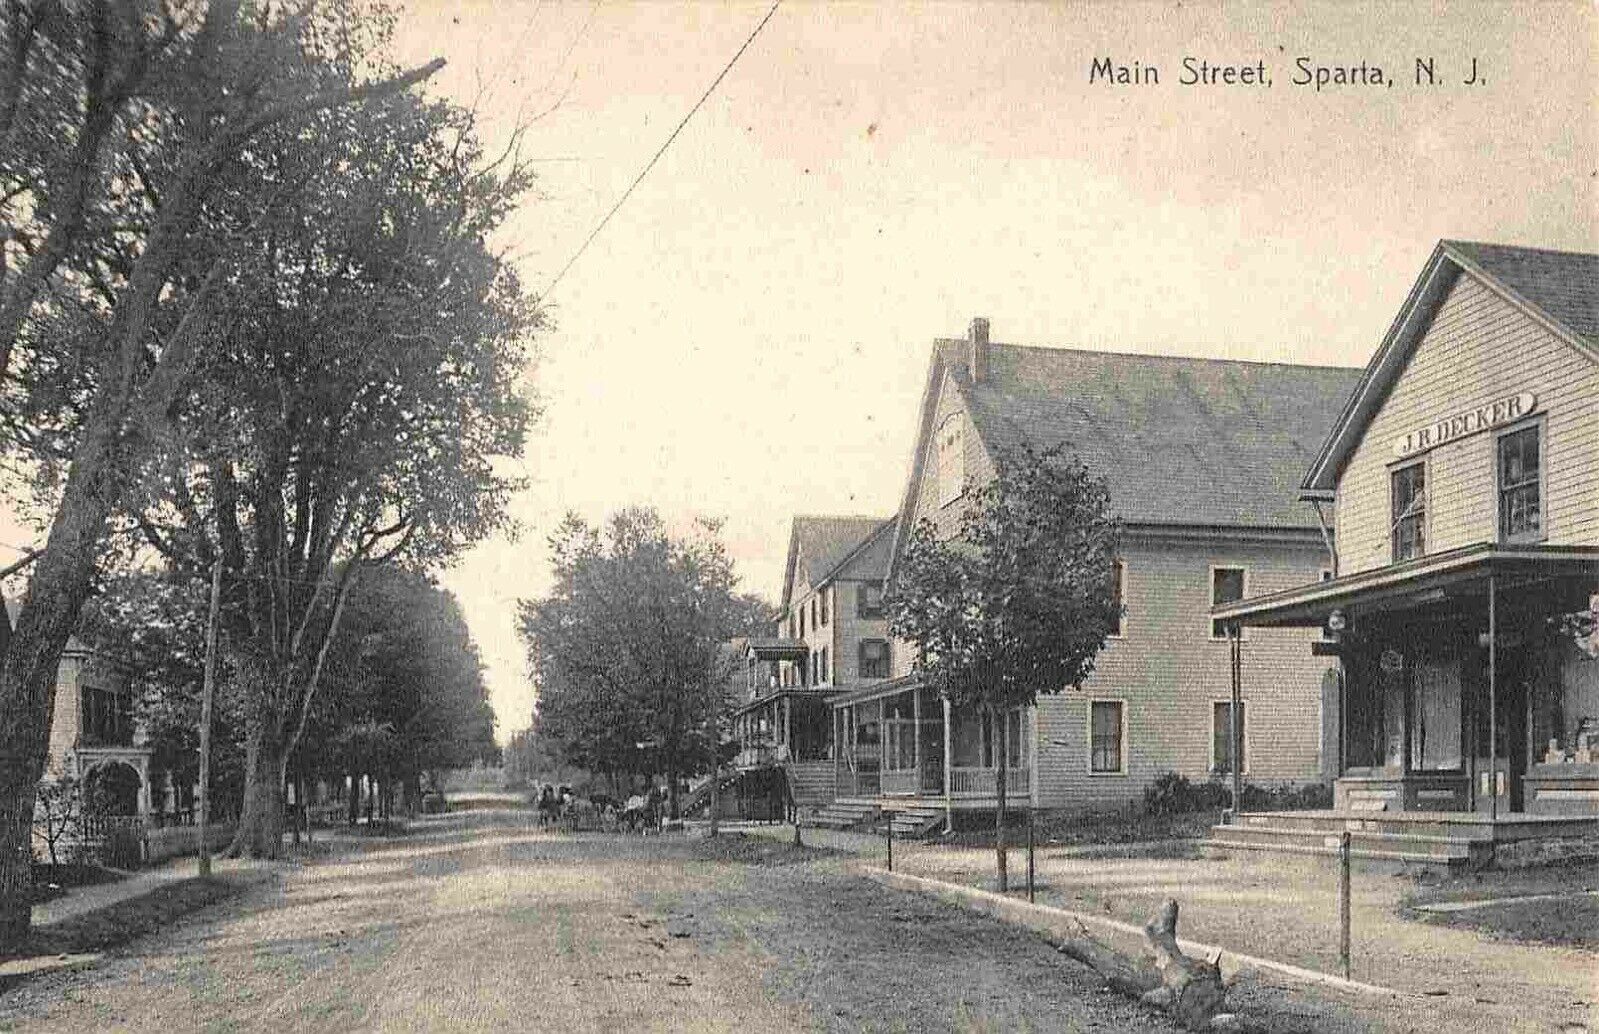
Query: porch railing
{"type": "Point", "coordinates": [929, 781]}
{"type": "Point", "coordinates": [980, 782]}
{"type": "Point", "coordinates": [859, 784]}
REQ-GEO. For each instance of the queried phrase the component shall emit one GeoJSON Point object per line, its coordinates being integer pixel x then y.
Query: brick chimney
{"type": "Point", "coordinates": [977, 349]}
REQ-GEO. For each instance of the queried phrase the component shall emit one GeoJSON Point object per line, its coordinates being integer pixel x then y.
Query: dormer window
{"type": "Point", "coordinates": [950, 443]}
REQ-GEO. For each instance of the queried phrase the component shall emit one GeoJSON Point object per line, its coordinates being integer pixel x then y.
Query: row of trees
{"type": "Point", "coordinates": [629, 647]}
{"type": "Point", "coordinates": [249, 317]}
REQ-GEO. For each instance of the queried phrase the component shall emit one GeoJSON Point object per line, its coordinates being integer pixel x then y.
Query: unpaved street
{"type": "Point", "coordinates": [476, 921]}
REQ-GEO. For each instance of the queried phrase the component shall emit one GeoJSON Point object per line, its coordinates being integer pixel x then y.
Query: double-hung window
{"type": "Point", "coordinates": [869, 600]}
{"type": "Point", "coordinates": [1520, 484]}
{"type": "Point", "coordinates": [1106, 728]}
{"type": "Point", "coordinates": [1226, 586]}
{"type": "Point", "coordinates": [1409, 510]}
{"type": "Point", "coordinates": [874, 659]}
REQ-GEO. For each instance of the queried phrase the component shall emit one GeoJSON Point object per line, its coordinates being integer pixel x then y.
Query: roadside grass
{"type": "Point", "coordinates": [54, 881]}
{"type": "Point", "coordinates": [1068, 829]}
{"type": "Point", "coordinates": [1572, 920]}
{"type": "Point", "coordinates": [121, 922]}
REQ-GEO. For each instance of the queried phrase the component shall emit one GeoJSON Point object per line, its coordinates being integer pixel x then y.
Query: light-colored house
{"type": "Point", "coordinates": [1201, 457]}
{"type": "Point", "coordinates": [1464, 473]}
{"type": "Point", "coordinates": [831, 638]}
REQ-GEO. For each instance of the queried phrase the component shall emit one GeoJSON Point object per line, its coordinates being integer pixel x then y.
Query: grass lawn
{"type": "Point", "coordinates": [1057, 829]}
{"type": "Point", "coordinates": [1553, 904]}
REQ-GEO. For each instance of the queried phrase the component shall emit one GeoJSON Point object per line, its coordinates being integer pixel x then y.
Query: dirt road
{"type": "Point", "coordinates": [476, 921]}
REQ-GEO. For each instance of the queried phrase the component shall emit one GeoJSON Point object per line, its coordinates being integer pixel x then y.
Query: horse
{"type": "Point", "coordinates": [549, 808]}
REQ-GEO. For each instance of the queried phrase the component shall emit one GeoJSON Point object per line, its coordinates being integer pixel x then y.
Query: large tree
{"type": "Point", "coordinates": [368, 371]}
{"type": "Point", "coordinates": [627, 648]}
{"type": "Point", "coordinates": [118, 120]}
{"type": "Point", "coordinates": [1019, 601]}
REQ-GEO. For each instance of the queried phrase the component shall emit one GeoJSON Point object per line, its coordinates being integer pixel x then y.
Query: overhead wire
{"type": "Point", "coordinates": [660, 151]}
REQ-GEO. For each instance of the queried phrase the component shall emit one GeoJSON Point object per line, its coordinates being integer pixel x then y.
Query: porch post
{"type": "Point", "coordinates": [916, 740]}
{"type": "Point", "coordinates": [1235, 731]}
{"type": "Point", "coordinates": [949, 765]}
{"type": "Point", "coordinates": [1493, 702]}
{"type": "Point", "coordinates": [838, 746]}
{"type": "Point", "coordinates": [788, 725]}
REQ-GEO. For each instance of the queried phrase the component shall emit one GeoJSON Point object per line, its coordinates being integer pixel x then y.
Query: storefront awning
{"type": "Point", "coordinates": [1565, 577]}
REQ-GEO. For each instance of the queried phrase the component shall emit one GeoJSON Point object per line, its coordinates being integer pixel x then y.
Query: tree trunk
{"type": "Point", "coordinates": [671, 790]}
{"type": "Point", "coordinates": [413, 793]}
{"type": "Point", "coordinates": [55, 596]}
{"type": "Point", "coordinates": [1188, 990]}
{"type": "Point", "coordinates": [352, 800]}
{"type": "Point", "coordinates": [260, 832]}
{"type": "Point", "coordinates": [999, 794]}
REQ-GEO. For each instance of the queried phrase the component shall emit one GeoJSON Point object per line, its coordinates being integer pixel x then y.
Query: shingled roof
{"type": "Point", "coordinates": [1202, 442]}
{"type": "Point", "coordinates": [1559, 289]}
{"type": "Point", "coordinates": [817, 545]}
{"type": "Point", "coordinates": [1563, 285]}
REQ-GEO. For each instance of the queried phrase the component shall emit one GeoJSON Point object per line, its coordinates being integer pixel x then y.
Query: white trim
{"type": "Point", "coordinates": [1121, 591]}
{"type": "Point", "coordinates": [1210, 590]}
{"type": "Point", "coordinates": [1088, 738]}
{"type": "Point", "coordinates": [955, 424]}
{"type": "Point", "coordinates": [1243, 702]}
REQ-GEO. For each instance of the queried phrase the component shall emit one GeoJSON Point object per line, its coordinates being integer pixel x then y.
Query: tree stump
{"type": "Point", "coordinates": [1190, 991]}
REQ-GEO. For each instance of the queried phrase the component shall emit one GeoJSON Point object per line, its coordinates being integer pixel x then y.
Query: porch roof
{"type": "Point", "coordinates": [1566, 576]}
{"type": "Point", "coordinates": [872, 691]}
{"type": "Point", "coordinates": [776, 649]}
{"type": "Point", "coordinates": [771, 695]}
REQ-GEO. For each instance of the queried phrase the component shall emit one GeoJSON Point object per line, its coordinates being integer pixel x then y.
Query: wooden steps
{"type": "Point", "coordinates": [1443, 840]}
{"type": "Point", "coordinates": [845, 814]}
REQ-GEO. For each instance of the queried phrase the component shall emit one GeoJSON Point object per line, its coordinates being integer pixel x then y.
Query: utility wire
{"type": "Point", "coordinates": [651, 163]}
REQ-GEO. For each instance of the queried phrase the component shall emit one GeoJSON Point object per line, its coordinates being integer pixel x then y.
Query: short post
{"type": "Point", "coordinates": [891, 843]}
{"type": "Point", "coordinates": [1030, 854]}
{"type": "Point", "coordinates": [1343, 902]}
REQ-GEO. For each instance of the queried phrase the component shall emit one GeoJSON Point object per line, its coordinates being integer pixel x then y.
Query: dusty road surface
{"type": "Point", "coordinates": [1284, 908]}
{"type": "Point", "coordinates": [479, 921]}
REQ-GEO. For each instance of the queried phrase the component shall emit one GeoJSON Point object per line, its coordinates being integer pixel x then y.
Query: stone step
{"type": "Point", "coordinates": [1366, 845]}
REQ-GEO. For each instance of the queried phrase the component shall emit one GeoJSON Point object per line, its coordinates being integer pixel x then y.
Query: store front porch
{"type": "Point", "coordinates": [1469, 699]}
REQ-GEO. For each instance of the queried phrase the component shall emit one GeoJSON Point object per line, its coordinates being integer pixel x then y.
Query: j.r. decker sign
{"type": "Point", "coordinates": [1467, 423]}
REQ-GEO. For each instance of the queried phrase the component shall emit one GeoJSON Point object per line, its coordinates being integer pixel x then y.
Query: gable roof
{"type": "Point", "coordinates": [1558, 289]}
{"type": "Point", "coordinates": [818, 545]}
{"type": "Point", "coordinates": [1187, 442]}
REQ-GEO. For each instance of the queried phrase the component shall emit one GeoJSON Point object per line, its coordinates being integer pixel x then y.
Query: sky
{"type": "Point", "coordinates": [749, 335]}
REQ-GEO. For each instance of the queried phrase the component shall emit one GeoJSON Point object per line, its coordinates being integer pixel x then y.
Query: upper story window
{"type": "Point", "coordinates": [106, 718]}
{"type": "Point", "coordinates": [1226, 586]}
{"type": "Point", "coordinates": [950, 443]}
{"type": "Point", "coordinates": [1520, 486]}
{"type": "Point", "coordinates": [801, 622]}
{"type": "Point", "coordinates": [822, 595]}
{"type": "Point", "coordinates": [1118, 595]}
{"type": "Point", "coordinates": [869, 600]}
{"type": "Point", "coordinates": [1409, 511]}
{"type": "Point", "coordinates": [824, 675]}
{"type": "Point", "coordinates": [814, 623]}
{"type": "Point", "coordinates": [874, 659]}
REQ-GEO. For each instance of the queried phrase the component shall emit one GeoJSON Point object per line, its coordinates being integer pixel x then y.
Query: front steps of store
{"type": "Point", "coordinates": [1397, 840]}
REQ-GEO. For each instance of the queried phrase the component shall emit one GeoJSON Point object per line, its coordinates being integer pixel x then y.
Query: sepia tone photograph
{"type": "Point", "coordinates": [794, 515]}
